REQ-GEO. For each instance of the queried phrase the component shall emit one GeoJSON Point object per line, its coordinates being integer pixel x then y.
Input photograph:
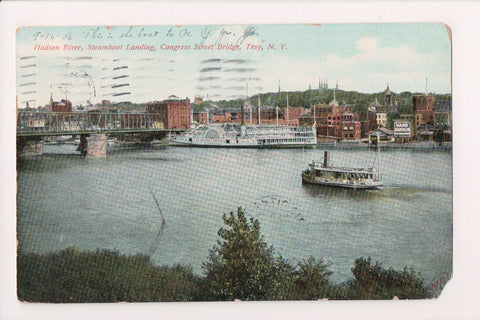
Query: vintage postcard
{"type": "Point", "coordinates": [233, 162]}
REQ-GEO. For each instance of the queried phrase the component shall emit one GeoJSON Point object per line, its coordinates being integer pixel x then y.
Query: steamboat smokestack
{"type": "Point", "coordinates": [325, 159]}
{"type": "Point", "coordinates": [243, 114]}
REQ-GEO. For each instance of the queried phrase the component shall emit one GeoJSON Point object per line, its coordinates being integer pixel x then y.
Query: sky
{"type": "Point", "coordinates": [148, 63]}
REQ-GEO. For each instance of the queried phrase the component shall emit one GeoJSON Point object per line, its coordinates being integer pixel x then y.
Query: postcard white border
{"type": "Point", "coordinates": [460, 297]}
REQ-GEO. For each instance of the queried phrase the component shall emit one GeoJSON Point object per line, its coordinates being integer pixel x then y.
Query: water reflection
{"type": "Point", "coordinates": [336, 193]}
{"type": "Point", "coordinates": [49, 163]}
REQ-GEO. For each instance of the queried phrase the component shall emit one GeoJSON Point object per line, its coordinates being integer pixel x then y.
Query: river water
{"type": "Point", "coordinates": [64, 200]}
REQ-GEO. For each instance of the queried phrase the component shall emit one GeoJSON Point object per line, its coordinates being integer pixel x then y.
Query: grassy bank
{"type": "Point", "coordinates": [100, 276]}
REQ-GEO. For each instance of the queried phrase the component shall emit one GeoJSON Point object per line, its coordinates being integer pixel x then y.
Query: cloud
{"type": "Point", "coordinates": [369, 69]}
{"type": "Point", "coordinates": [369, 45]}
{"type": "Point", "coordinates": [374, 57]}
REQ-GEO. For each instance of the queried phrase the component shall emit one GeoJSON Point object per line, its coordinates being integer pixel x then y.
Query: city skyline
{"type": "Point", "coordinates": [141, 64]}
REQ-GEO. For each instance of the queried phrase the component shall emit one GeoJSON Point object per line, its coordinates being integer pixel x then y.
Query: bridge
{"type": "Point", "coordinates": [33, 126]}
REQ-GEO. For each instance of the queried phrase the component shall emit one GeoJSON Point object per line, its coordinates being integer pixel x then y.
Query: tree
{"type": "Point", "coordinates": [375, 282]}
{"type": "Point", "coordinates": [391, 117]}
{"type": "Point", "coordinates": [311, 280]}
{"type": "Point", "coordinates": [240, 266]}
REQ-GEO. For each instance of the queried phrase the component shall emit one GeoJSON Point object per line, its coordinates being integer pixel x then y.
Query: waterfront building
{"type": "Point", "coordinates": [268, 115]}
{"type": "Point", "coordinates": [62, 106]}
{"type": "Point", "coordinates": [442, 117]}
{"type": "Point", "coordinates": [174, 112]}
{"type": "Point", "coordinates": [351, 130]}
{"type": "Point", "coordinates": [292, 114]}
{"type": "Point", "coordinates": [381, 119]}
{"type": "Point", "coordinates": [305, 119]}
{"type": "Point", "coordinates": [335, 121]}
{"type": "Point", "coordinates": [224, 116]}
{"type": "Point", "coordinates": [200, 117]}
{"type": "Point", "coordinates": [423, 114]}
{"type": "Point", "coordinates": [384, 134]}
{"type": "Point", "coordinates": [368, 122]}
{"type": "Point", "coordinates": [442, 113]}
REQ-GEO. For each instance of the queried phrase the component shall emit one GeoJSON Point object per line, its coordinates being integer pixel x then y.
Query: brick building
{"type": "Point", "coordinates": [442, 119]}
{"type": "Point", "coordinates": [62, 106]}
{"type": "Point", "coordinates": [305, 119]}
{"type": "Point", "coordinates": [174, 112]}
{"type": "Point", "coordinates": [422, 112]}
{"type": "Point", "coordinates": [351, 130]}
{"type": "Point", "coordinates": [291, 115]}
{"type": "Point", "coordinates": [268, 115]}
{"type": "Point", "coordinates": [201, 117]}
{"type": "Point", "coordinates": [326, 118]}
{"type": "Point", "coordinates": [368, 122]}
{"type": "Point", "coordinates": [442, 113]}
{"type": "Point", "coordinates": [336, 121]}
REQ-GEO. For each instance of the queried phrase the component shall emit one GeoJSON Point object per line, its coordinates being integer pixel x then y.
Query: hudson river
{"type": "Point", "coordinates": [64, 200]}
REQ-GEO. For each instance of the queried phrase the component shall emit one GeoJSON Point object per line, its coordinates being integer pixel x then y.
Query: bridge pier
{"type": "Point", "coordinates": [29, 147]}
{"type": "Point", "coordinates": [93, 146]}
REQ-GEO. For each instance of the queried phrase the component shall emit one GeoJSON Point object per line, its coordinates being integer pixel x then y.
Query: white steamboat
{"type": "Point", "coordinates": [245, 136]}
{"type": "Point", "coordinates": [321, 173]}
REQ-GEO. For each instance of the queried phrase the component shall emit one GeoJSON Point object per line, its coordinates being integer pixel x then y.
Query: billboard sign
{"type": "Point", "coordinates": [402, 129]}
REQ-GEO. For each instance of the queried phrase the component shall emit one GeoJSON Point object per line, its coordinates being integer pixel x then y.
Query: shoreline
{"type": "Point", "coordinates": [413, 146]}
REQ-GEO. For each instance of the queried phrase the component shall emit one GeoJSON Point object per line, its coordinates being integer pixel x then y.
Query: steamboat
{"type": "Point", "coordinates": [244, 136]}
{"type": "Point", "coordinates": [232, 135]}
{"type": "Point", "coordinates": [321, 173]}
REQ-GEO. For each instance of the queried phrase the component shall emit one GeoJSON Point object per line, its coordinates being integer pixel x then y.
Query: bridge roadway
{"type": "Point", "coordinates": [92, 128]}
{"type": "Point", "coordinates": [38, 124]}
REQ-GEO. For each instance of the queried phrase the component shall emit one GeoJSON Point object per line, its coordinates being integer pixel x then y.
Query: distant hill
{"type": "Point", "coordinates": [308, 98]}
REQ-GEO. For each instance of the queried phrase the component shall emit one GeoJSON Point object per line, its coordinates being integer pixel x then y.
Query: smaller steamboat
{"type": "Point", "coordinates": [321, 173]}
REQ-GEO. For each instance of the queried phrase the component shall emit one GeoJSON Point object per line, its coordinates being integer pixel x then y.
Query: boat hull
{"type": "Point", "coordinates": [341, 184]}
{"type": "Point", "coordinates": [240, 146]}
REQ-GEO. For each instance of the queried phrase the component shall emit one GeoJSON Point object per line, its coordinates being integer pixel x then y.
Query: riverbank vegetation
{"type": "Point", "coordinates": [240, 265]}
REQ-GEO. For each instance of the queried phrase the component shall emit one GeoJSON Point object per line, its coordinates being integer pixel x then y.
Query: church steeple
{"type": "Point", "coordinates": [388, 96]}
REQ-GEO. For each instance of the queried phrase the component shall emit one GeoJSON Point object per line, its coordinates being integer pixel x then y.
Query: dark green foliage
{"type": "Point", "coordinates": [375, 282]}
{"type": "Point", "coordinates": [391, 117]}
{"type": "Point", "coordinates": [240, 266]}
{"type": "Point", "coordinates": [311, 280]}
{"type": "Point", "coordinates": [102, 276]}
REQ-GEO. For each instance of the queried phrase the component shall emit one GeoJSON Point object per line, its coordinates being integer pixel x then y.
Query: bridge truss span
{"type": "Point", "coordinates": [32, 123]}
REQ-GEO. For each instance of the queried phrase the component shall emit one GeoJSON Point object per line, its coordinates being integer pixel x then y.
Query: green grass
{"type": "Point", "coordinates": [101, 276]}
